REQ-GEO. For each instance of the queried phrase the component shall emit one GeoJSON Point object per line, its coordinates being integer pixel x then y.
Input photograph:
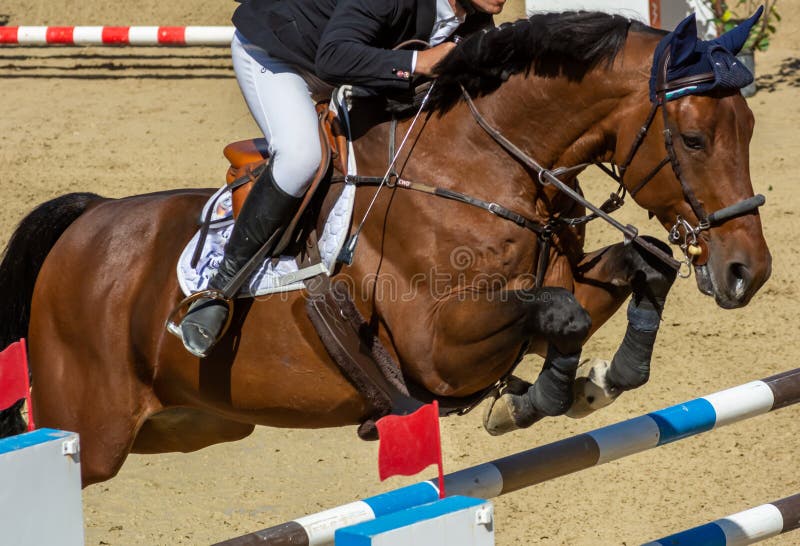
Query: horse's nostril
{"type": "Point", "coordinates": [739, 278]}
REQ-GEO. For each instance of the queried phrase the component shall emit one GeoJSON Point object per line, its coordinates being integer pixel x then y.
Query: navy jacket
{"type": "Point", "coordinates": [344, 41]}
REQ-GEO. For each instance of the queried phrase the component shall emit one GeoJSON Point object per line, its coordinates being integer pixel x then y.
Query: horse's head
{"type": "Point", "coordinates": [699, 133]}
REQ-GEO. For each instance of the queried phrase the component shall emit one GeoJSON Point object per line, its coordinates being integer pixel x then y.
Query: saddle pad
{"type": "Point", "coordinates": [285, 275]}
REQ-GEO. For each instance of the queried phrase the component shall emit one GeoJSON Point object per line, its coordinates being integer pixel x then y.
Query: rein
{"type": "Point", "coordinates": [683, 233]}
{"type": "Point", "coordinates": [689, 239]}
{"type": "Point", "coordinates": [550, 177]}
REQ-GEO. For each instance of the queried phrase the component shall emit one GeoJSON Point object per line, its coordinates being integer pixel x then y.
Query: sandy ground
{"type": "Point", "coordinates": [129, 121]}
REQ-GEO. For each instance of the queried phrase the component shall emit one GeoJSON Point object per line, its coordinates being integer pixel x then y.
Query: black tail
{"type": "Point", "coordinates": [21, 261]}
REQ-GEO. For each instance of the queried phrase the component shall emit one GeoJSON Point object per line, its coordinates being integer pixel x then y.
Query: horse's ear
{"type": "Point", "coordinates": [734, 39]}
{"type": "Point", "coordinates": [684, 39]}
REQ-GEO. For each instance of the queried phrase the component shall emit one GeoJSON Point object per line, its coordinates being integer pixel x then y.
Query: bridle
{"type": "Point", "coordinates": [682, 233]}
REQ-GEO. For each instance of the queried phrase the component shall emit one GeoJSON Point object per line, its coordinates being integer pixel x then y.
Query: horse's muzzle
{"type": "Point", "coordinates": [734, 282]}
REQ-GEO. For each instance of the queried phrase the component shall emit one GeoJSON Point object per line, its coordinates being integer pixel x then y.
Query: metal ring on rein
{"type": "Point", "coordinates": [685, 270]}
{"type": "Point", "coordinates": [542, 180]}
{"type": "Point", "coordinates": [688, 238]}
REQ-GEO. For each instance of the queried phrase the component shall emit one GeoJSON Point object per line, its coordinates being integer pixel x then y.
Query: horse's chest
{"type": "Point", "coordinates": [559, 273]}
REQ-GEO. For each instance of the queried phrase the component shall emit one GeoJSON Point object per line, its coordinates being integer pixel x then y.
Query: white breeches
{"type": "Point", "coordinates": [281, 102]}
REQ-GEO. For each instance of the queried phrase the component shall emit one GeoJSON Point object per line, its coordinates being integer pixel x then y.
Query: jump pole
{"type": "Point", "coordinates": [748, 527]}
{"type": "Point", "coordinates": [547, 462]}
{"type": "Point", "coordinates": [116, 36]}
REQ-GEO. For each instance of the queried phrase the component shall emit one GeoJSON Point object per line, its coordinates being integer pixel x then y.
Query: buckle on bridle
{"type": "Point", "coordinates": [613, 203]}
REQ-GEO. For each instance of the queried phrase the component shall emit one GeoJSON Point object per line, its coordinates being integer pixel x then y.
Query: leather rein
{"type": "Point", "coordinates": [683, 233]}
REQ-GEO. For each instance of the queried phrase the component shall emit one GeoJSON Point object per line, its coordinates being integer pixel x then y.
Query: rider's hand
{"type": "Point", "coordinates": [429, 58]}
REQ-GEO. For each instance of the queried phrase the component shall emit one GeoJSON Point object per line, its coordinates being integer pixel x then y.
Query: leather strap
{"type": "Point", "coordinates": [546, 176]}
{"type": "Point", "coordinates": [686, 82]}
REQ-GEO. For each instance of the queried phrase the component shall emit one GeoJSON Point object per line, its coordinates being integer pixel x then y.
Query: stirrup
{"type": "Point", "coordinates": [177, 314]}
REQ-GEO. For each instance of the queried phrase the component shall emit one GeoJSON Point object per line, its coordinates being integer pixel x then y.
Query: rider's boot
{"type": "Point", "coordinates": [266, 210]}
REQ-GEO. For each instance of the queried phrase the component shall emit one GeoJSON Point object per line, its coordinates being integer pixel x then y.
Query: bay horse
{"type": "Point", "coordinates": [90, 281]}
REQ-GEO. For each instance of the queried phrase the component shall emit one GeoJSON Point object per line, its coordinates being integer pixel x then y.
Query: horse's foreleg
{"type": "Point", "coordinates": [603, 280]}
{"type": "Point", "coordinates": [555, 315]}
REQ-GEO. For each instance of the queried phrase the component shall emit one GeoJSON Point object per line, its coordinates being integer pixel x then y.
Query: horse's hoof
{"type": "Point", "coordinates": [498, 416]}
{"type": "Point", "coordinates": [509, 412]}
{"type": "Point", "coordinates": [591, 390]}
{"type": "Point", "coordinates": [368, 431]}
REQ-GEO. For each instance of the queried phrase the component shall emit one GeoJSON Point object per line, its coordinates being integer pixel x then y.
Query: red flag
{"type": "Point", "coordinates": [14, 378]}
{"type": "Point", "coordinates": [410, 443]}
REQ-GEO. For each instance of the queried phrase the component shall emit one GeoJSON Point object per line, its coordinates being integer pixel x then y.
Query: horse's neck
{"type": "Point", "coordinates": [556, 120]}
{"type": "Point", "coordinates": [562, 123]}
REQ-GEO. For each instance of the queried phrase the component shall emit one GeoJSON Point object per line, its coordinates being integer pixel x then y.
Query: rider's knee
{"type": "Point", "coordinates": [294, 167]}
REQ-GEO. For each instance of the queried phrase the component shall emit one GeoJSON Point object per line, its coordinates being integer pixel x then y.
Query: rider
{"type": "Point", "coordinates": [284, 53]}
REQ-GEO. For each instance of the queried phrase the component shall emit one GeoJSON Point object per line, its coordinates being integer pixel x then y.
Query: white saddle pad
{"type": "Point", "coordinates": [285, 274]}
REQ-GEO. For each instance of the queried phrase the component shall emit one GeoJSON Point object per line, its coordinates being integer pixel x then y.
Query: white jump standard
{"type": "Point", "coordinates": [40, 489]}
{"type": "Point", "coordinates": [550, 461]}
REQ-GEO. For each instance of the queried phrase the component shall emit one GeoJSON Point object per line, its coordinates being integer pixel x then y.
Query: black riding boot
{"type": "Point", "coordinates": [266, 210]}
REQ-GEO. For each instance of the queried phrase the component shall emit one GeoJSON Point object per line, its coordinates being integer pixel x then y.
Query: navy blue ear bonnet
{"type": "Point", "coordinates": [692, 58]}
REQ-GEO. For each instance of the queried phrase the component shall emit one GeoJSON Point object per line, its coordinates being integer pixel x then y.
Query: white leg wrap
{"type": "Point", "coordinates": [591, 388]}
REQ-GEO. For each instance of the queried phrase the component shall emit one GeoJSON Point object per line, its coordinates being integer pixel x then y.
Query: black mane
{"type": "Point", "coordinates": [551, 44]}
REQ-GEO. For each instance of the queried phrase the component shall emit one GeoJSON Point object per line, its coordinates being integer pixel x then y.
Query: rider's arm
{"type": "Point", "coordinates": [355, 44]}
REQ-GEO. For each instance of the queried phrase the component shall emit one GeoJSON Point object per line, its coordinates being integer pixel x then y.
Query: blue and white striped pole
{"type": "Point", "coordinates": [550, 461]}
{"type": "Point", "coordinates": [748, 527]}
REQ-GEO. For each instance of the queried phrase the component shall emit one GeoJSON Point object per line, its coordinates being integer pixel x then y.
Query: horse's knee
{"type": "Point", "coordinates": [563, 321]}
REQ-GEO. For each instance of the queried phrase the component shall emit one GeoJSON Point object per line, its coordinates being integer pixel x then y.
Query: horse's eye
{"type": "Point", "coordinates": [694, 141]}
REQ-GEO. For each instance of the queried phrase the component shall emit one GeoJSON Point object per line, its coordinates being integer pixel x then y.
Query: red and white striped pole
{"type": "Point", "coordinates": [654, 7]}
{"type": "Point", "coordinates": [117, 36]}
